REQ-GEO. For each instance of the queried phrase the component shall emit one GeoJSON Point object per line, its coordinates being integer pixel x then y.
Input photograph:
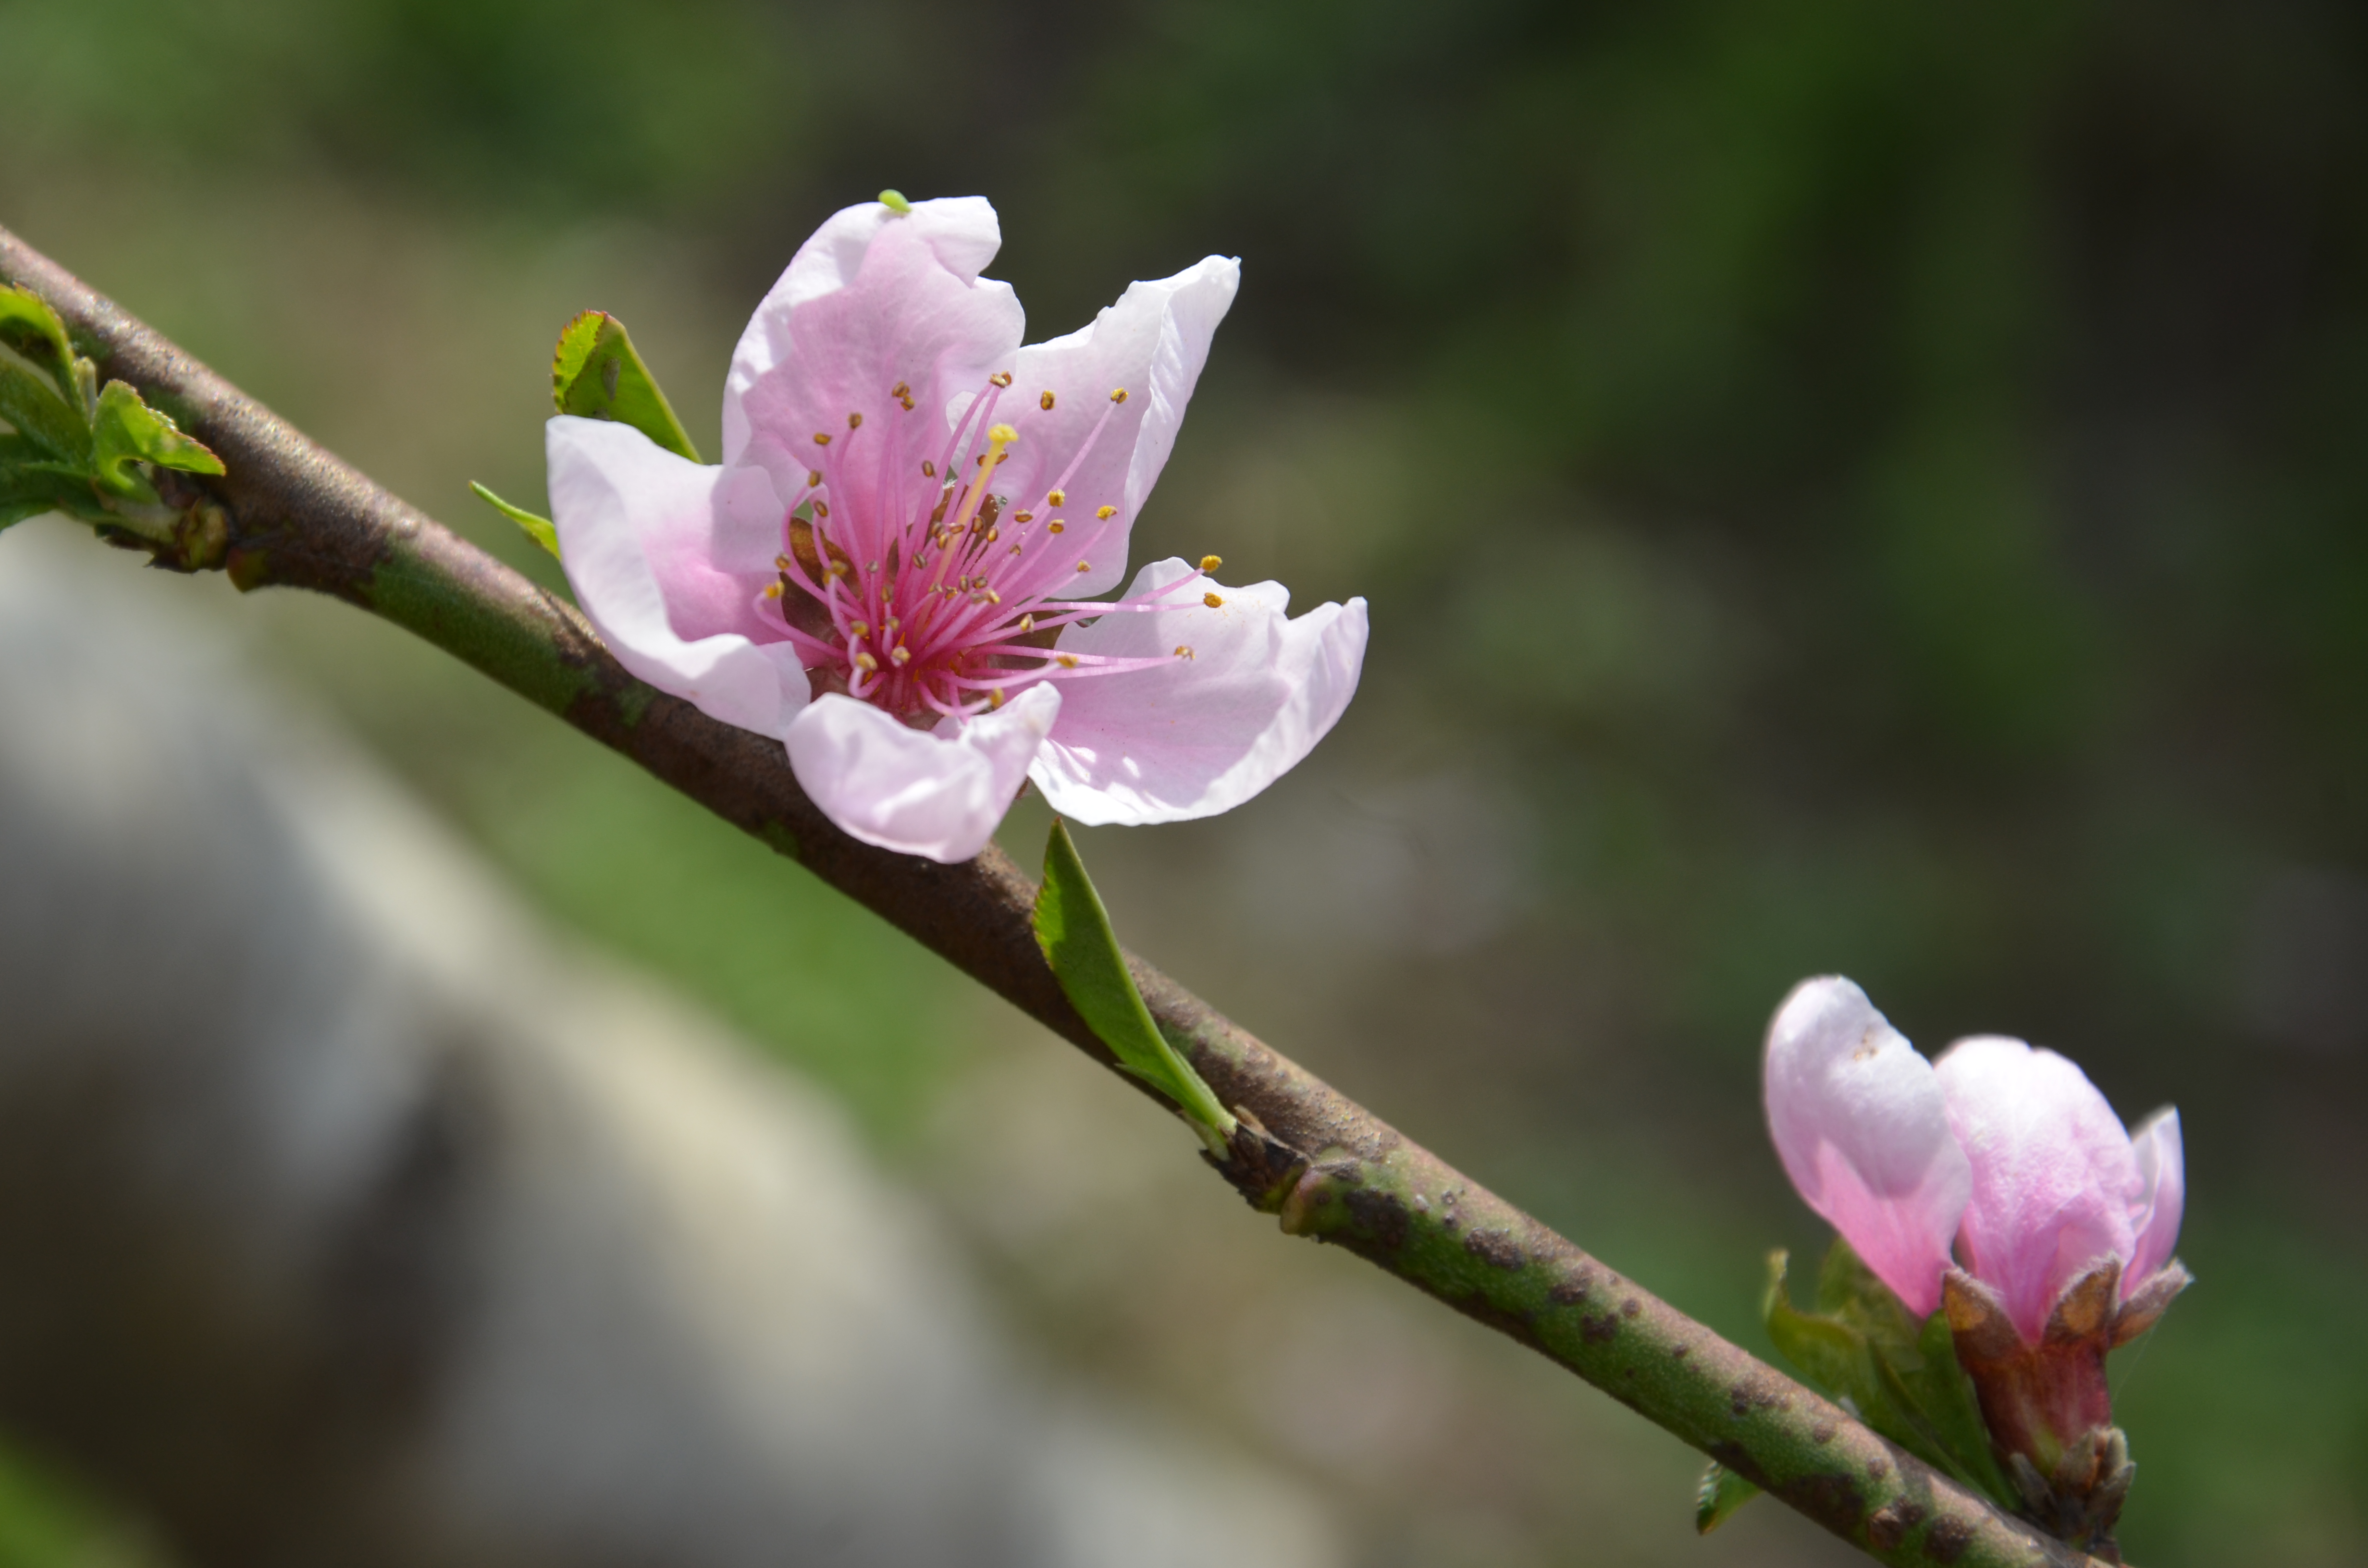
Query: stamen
{"type": "Point", "coordinates": [854, 422]}
{"type": "Point", "coordinates": [772, 590]}
{"type": "Point", "coordinates": [1105, 513]}
{"type": "Point", "coordinates": [928, 470]}
{"type": "Point", "coordinates": [822, 439]}
{"type": "Point", "coordinates": [1056, 526]}
{"type": "Point", "coordinates": [1056, 498]}
{"type": "Point", "coordinates": [1045, 402]}
{"type": "Point", "coordinates": [1027, 623]}
{"type": "Point", "coordinates": [821, 508]}
{"type": "Point", "coordinates": [858, 628]}
{"type": "Point", "coordinates": [994, 698]}
{"type": "Point", "coordinates": [866, 662]}
{"type": "Point", "coordinates": [1083, 566]}
{"type": "Point", "coordinates": [899, 654]}
{"type": "Point", "coordinates": [1183, 651]}
{"type": "Point", "coordinates": [814, 477]}
{"type": "Point", "coordinates": [1023, 516]}
{"type": "Point", "coordinates": [1211, 563]}
{"type": "Point", "coordinates": [1213, 601]}
{"type": "Point", "coordinates": [1001, 379]}
{"type": "Point", "coordinates": [1118, 395]}
{"type": "Point", "coordinates": [1065, 660]}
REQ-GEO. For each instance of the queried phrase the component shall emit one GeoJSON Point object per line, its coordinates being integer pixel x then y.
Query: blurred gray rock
{"type": "Point", "coordinates": [344, 1218]}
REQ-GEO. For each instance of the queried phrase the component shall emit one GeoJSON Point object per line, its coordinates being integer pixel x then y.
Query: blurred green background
{"type": "Point", "coordinates": [1841, 486]}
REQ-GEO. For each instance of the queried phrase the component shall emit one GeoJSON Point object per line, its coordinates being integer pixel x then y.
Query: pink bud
{"type": "Point", "coordinates": [1861, 1125]}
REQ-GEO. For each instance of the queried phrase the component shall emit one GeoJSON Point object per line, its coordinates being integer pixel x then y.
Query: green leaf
{"type": "Point", "coordinates": [33, 330]}
{"type": "Point", "coordinates": [1900, 1376]}
{"type": "Point", "coordinates": [1073, 930]}
{"type": "Point", "coordinates": [1722, 1491]}
{"type": "Point", "coordinates": [595, 373]}
{"type": "Point", "coordinates": [538, 529]}
{"type": "Point", "coordinates": [127, 432]}
{"type": "Point", "coordinates": [40, 413]}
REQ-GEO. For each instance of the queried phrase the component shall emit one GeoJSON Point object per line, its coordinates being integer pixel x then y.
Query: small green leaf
{"type": "Point", "coordinates": [1722, 1491]}
{"type": "Point", "coordinates": [32, 329]}
{"type": "Point", "coordinates": [538, 529]}
{"type": "Point", "coordinates": [127, 432]}
{"type": "Point", "coordinates": [1900, 1376]}
{"type": "Point", "coordinates": [1073, 930]}
{"type": "Point", "coordinates": [895, 202]}
{"type": "Point", "coordinates": [41, 413]}
{"type": "Point", "coordinates": [595, 373]}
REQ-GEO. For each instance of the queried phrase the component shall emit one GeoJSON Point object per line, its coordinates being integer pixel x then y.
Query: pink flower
{"type": "Point", "coordinates": [2006, 1151]}
{"type": "Point", "coordinates": [892, 571]}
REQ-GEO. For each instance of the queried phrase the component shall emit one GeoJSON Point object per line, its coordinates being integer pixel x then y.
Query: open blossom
{"type": "Point", "coordinates": [2062, 1222]}
{"type": "Point", "coordinates": [894, 569]}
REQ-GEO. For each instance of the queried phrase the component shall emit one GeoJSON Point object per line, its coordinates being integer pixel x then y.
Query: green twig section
{"type": "Point", "coordinates": [1324, 1166]}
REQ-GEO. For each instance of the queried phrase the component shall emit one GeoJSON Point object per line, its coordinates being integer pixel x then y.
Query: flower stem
{"type": "Point", "coordinates": [1328, 1168]}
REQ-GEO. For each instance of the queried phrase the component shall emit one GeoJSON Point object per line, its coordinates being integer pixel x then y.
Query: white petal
{"type": "Point", "coordinates": [1861, 1122]}
{"type": "Point", "coordinates": [647, 539]}
{"type": "Point", "coordinates": [2162, 1167]}
{"type": "Point", "coordinates": [1152, 343]}
{"type": "Point", "coordinates": [939, 795]}
{"type": "Point", "coordinates": [1190, 737]}
{"type": "Point", "coordinates": [962, 229]}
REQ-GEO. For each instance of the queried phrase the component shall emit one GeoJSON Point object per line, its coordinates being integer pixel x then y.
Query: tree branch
{"type": "Point", "coordinates": [300, 518]}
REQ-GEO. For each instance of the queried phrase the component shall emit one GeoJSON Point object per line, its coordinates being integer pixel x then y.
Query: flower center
{"type": "Point", "coordinates": [930, 595]}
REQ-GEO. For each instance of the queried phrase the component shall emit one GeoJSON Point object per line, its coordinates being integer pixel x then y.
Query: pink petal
{"type": "Point", "coordinates": [939, 795]}
{"type": "Point", "coordinates": [1191, 737]}
{"type": "Point", "coordinates": [2162, 1175]}
{"type": "Point", "coordinates": [1152, 343]}
{"type": "Point", "coordinates": [648, 540]}
{"type": "Point", "coordinates": [2055, 1178]}
{"type": "Point", "coordinates": [1862, 1126]}
{"type": "Point", "coordinates": [872, 301]}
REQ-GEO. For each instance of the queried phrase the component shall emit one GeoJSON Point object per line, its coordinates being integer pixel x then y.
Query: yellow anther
{"type": "Point", "coordinates": [898, 654]}
{"type": "Point", "coordinates": [905, 404]}
{"type": "Point", "coordinates": [1023, 516]}
{"type": "Point", "coordinates": [854, 422]}
{"type": "Point", "coordinates": [1058, 498]}
{"type": "Point", "coordinates": [993, 534]}
{"type": "Point", "coordinates": [836, 569]}
{"type": "Point", "coordinates": [1045, 402]}
{"type": "Point", "coordinates": [1105, 513]}
{"type": "Point", "coordinates": [782, 561]}
{"type": "Point", "coordinates": [1015, 549]}
{"type": "Point", "coordinates": [821, 508]}
{"type": "Point", "coordinates": [1211, 563]}
{"type": "Point", "coordinates": [866, 662]}
{"type": "Point", "coordinates": [1213, 601]}
{"type": "Point", "coordinates": [1118, 395]}
{"type": "Point", "coordinates": [997, 438]}
{"type": "Point", "coordinates": [994, 698]}
{"type": "Point", "coordinates": [1182, 652]}
{"type": "Point", "coordinates": [772, 590]}
{"type": "Point", "coordinates": [1028, 621]}
{"type": "Point", "coordinates": [1066, 660]}
{"type": "Point", "coordinates": [814, 477]}
{"type": "Point", "coordinates": [858, 629]}
{"type": "Point", "coordinates": [928, 469]}
{"type": "Point", "coordinates": [1056, 526]}
{"type": "Point", "coordinates": [993, 597]}
{"type": "Point", "coordinates": [822, 437]}
{"type": "Point", "coordinates": [902, 389]}
{"type": "Point", "coordinates": [1083, 566]}
{"type": "Point", "coordinates": [1001, 378]}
